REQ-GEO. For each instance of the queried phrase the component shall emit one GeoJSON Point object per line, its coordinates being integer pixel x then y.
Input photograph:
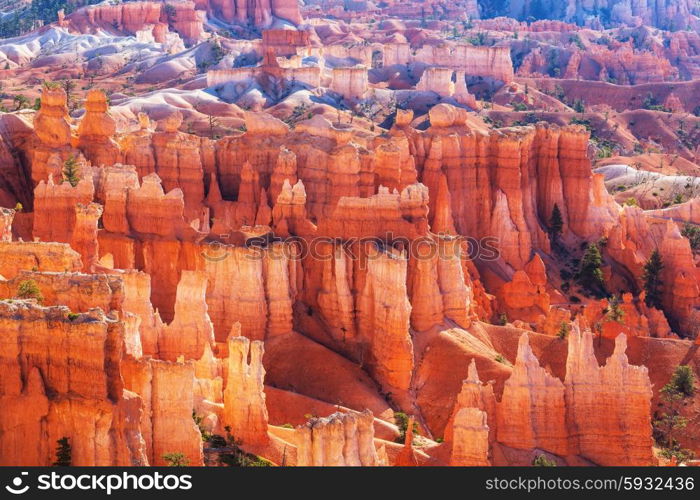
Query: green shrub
{"type": "Point", "coordinates": [519, 106]}
{"type": "Point", "coordinates": [28, 289]}
{"type": "Point", "coordinates": [206, 435]}
{"type": "Point", "coordinates": [543, 461]}
{"type": "Point", "coordinates": [401, 421]}
{"type": "Point", "coordinates": [236, 457]}
{"type": "Point", "coordinates": [176, 460]}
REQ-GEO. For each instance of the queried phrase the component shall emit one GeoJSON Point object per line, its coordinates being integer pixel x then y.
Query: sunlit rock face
{"type": "Point", "coordinates": [320, 229]}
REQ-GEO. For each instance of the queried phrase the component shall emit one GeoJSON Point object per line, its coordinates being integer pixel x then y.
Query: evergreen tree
{"type": "Point", "coordinates": [21, 101]}
{"type": "Point", "coordinates": [564, 330]}
{"type": "Point", "coordinates": [683, 380]}
{"type": "Point", "coordinates": [669, 422]}
{"type": "Point", "coordinates": [693, 234]}
{"type": "Point", "coordinates": [68, 87]}
{"type": "Point", "coordinates": [590, 275]}
{"type": "Point", "coordinates": [652, 280]}
{"type": "Point", "coordinates": [70, 171]}
{"type": "Point", "coordinates": [556, 223]}
{"type": "Point", "coordinates": [64, 453]}
{"type": "Point", "coordinates": [614, 312]}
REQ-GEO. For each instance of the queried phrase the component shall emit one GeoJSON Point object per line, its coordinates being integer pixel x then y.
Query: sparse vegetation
{"type": "Point", "coordinates": [590, 274]}
{"type": "Point", "coordinates": [614, 312]}
{"type": "Point", "coordinates": [298, 114]}
{"type": "Point", "coordinates": [543, 461]}
{"type": "Point", "coordinates": [519, 106]}
{"type": "Point", "coordinates": [576, 40]}
{"type": "Point", "coordinates": [528, 119]}
{"type": "Point", "coordinates": [692, 232]}
{"type": "Point", "coordinates": [235, 456]}
{"type": "Point", "coordinates": [651, 279]}
{"type": "Point", "coordinates": [651, 104]}
{"type": "Point", "coordinates": [556, 223]}
{"type": "Point", "coordinates": [480, 39]}
{"type": "Point", "coordinates": [70, 171]}
{"type": "Point", "coordinates": [581, 121]}
{"type": "Point", "coordinates": [68, 88]}
{"type": "Point", "coordinates": [564, 330]}
{"type": "Point", "coordinates": [206, 435]}
{"type": "Point", "coordinates": [64, 453]}
{"type": "Point", "coordinates": [669, 422]}
{"type": "Point", "coordinates": [683, 381]}
{"type": "Point", "coordinates": [28, 289]}
{"type": "Point", "coordinates": [176, 460]}
{"type": "Point", "coordinates": [21, 101]}
{"type": "Point", "coordinates": [401, 421]}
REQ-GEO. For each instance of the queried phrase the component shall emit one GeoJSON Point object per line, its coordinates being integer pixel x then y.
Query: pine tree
{"type": "Point", "coordinates": [21, 100]}
{"type": "Point", "coordinates": [564, 330]}
{"type": "Point", "coordinates": [614, 311]}
{"type": "Point", "coordinates": [64, 453]}
{"type": "Point", "coordinates": [213, 123]}
{"type": "Point", "coordinates": [590, 275]}
{"type": "Point", "coordinates": [68, 87]}
{"type": "Point", "coordinates": [70, 171]}
{"type": "Point", "coordinates": [669, 423]}
{"type": "Point", "coordinates": [683, 380]}
{"type": "Point", "coordinates": [651, 279]}
{"type": "Point", "coordinates": [556, 223]}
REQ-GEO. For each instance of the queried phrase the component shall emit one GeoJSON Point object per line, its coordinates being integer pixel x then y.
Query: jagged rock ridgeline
{"type": "Point", "coordinates": [333, 187]}
{"type": "Point", "coordinates": [537, 411]}
{"type": "Point", "coordinates": [184, 17]}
